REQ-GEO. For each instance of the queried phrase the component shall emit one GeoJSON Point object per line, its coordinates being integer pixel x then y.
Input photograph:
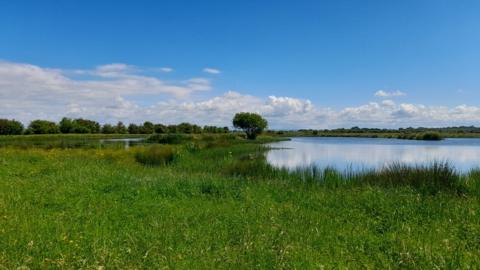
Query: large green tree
{"type": "Point", "coordinates": [42, 127]}
{"type": "Point", "coordinates": [252, 123]}
{"type": "Point", "coordinates": [10, 127]}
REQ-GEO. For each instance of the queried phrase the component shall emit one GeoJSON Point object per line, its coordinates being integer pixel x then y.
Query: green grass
{"type": "Point", "coordinates": [223, 207]}
{"type": "Point", "coordinates": [155, 155]}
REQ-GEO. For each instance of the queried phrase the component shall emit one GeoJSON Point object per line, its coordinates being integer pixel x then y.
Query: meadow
{"type": "Point", "coordinates": [212, 202]}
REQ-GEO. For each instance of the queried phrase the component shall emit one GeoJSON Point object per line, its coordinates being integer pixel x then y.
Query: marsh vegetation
{"type": "Point", "coordinates": [213, 201]}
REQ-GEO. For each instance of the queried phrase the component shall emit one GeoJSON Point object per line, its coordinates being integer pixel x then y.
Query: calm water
{"type": "Point", "coordinates": [127, 142]}
{"type": "Point", "coordinates": [365, 153]}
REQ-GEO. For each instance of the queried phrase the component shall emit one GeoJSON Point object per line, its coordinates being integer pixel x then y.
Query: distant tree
{"type": "Point", "coordinates": [10, 127]}
{"type": "Point", "coordinates": [215, 129]}
{"type": "Point", "coordinates": [43, 127]}
{"type": "Point", "coordinates": [185, 128]}
{"type": "Point", "coordinates": [160, 129]}
{"type": "Point", "coordinates": [253, 124]}
{"type": "Point", "coordinates": [108, 129]}
{"type": "Point", "coordinates": [120, 128]}
{"type": "Point", "coordinates": [197, 129]}
{"type": "Point", "coordinates": [85, 126]}
{"type": "Point", "coordinates": [147, 128]}
{"type": "Point", "coordinates": [133, 129]}
{"type": "Point", "coordinates": [172, 128]}
{"type": "Point", "coordinates": [66, 125]}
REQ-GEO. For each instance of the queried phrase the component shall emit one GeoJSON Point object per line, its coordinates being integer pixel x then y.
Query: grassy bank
{"type": "Point", "coordinates": [217, 204]}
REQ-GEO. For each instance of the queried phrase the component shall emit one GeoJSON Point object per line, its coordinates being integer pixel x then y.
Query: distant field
{"type": "Point", "coordinates": [211, 202]}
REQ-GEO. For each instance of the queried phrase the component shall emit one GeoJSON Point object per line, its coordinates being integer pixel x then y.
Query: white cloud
{"type": "Point", "coordinates": [383, 93]}
{"type": "Point", "coordinates": [116, 92]}
{"type": "Point", "coordinates": [211, 70]}
{"type": "Point", "coordinates": [29, 91]}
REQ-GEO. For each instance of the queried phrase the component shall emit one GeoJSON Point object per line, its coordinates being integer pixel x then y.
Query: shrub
{"type": "Point", "coordinates": [430, 136]}
{"type": "Point", "coordinates": [10, 127]}
{"type": "Point", "coordinates": [155, 155]}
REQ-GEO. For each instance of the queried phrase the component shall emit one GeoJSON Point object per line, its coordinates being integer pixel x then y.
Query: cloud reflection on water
{"type": "Point", "coordinates": [358, 153]}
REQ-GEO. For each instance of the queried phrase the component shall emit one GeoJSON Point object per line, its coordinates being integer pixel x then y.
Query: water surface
{"type": "Point", "coordinates": [373, 153]}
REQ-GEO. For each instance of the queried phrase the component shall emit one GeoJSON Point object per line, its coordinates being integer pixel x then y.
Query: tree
{"type": "Point", "coordinates": [85, 126]}
{"type": "Point", "coordinates": [43, 127]}
{"type": "Point", "coordinates": [160, 129]}
{"type": "Point", "coordinates": [10, 127]}
{"type": "Point", "coordinates": [252, 123]}
{"type": "Point", "coordinates": [66, 125]}
{"type": "Point", "coordinates": [133, 129]}
{"type": "Point", "coordinates": [120, 128]}
{"type": "Point", "coordinates": [172, 128]}
{"type": "Point", "coordinates": [108, 129]}
{"type": "Point", "coordinates": [147, 128]}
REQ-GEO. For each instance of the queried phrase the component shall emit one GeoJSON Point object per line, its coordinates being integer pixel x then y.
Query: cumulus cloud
{"type": "Point", "coordinates": [211, 70]}
{"type": "Point", "coordinates": [29, 91]}
{"type": "Point", "coordinates": [118, 92]}
{"type": "Point", "coordinates": [383, 93]}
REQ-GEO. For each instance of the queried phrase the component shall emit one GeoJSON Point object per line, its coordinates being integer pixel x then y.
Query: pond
{"type": "Point", "coordinates": [372, 153]}
{"type": "Point", "coordinates": [127, 142]}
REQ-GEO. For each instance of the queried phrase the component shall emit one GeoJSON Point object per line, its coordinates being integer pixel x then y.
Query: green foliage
{"type": "Point", "coordinates": [120, 128]}
{"type": "Point", "coordinates": [215, 129]}
{"type": "Point", "coordinates": [108, 129]}
{"type": "Point", "coordinates": [42, 127]}
{"type": "Point", "coordinates": [10, 127]}
{"type": "Point", "coordinates": [430, 136]}
{"type": "Point", "coordinates": [147, 128]}
{"type": "Point", "coordinates": [79, 125]}
{"type": "Point", "coordinates": [155, 155]}
{"type": "Point", "coordinates": [133, 129]}
{"type": "Point", "coordinates": [160, 129]}
{"type": "Point", "coordinates": [188, 128]}
{"type": "Point", "coordinates": [253, 124]}
{"type": "Point", "coordinates": [66, 125]}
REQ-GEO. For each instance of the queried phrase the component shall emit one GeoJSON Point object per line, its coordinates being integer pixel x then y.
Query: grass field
{"type": "Point", "coordinates": [215, 204]}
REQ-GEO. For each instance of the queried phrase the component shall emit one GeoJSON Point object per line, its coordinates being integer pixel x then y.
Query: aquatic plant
{"type": "Point", "coordinates": [155, 155]}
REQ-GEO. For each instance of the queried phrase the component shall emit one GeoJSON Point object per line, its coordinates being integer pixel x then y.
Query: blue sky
{"type": "Point", "coordinates": [321, 58]}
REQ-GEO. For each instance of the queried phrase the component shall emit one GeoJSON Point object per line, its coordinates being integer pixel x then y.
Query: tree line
{"type": "Point", "coordinates": [80, 125]}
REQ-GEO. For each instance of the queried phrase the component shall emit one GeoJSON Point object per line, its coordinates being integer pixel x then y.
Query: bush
{"type": "Point", "coordinates": [430, 136]}
{"type": "Point", "coordinates": [155, 155]}
{"type": "Point", "coordinates": [10, 127]}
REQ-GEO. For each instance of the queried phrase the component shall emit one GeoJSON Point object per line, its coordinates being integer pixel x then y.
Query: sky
{"type": "Point", "coordinates": [301, 64]}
